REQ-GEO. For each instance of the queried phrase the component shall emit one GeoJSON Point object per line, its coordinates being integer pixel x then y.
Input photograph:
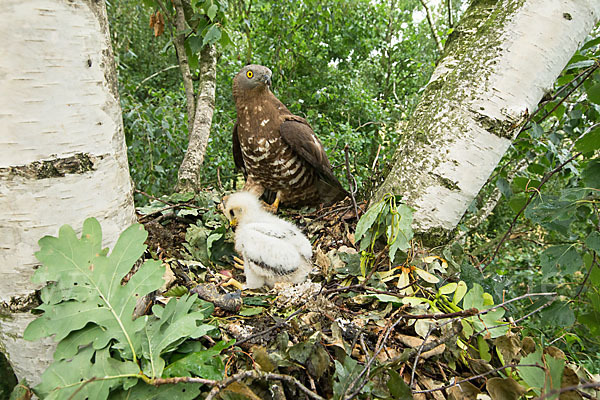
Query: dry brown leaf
{"type": "Point", "coordinates": [570, 378]}
{"type": "Point", "coordinates": [528, 345]}
{"type": "Point", "coordinates": [555, 352]}
{"type": "Point", "coordinates": [242, 390]}
{"type": "Point", "coordinates": [464, 391]}
{"type": "Point", "coordinates": [509, 346]}
{"type": "Point", "coordinates": [504, 389]}
{"type": "Point", "coordinates": [430, 384]}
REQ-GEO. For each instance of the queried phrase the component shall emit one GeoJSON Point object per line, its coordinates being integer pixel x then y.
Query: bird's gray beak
{"type": "Point", "coordinates": [266, 79]}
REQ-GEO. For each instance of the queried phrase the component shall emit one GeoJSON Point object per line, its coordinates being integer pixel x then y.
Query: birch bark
{"type": "Point", "coordinates": [498, 63]}
{"type": "Point", "coordinates": [62, 149]}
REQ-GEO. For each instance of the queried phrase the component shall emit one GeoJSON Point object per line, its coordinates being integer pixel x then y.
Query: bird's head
{"type": "Point", "coordinates": [251, 77]}
{"type": "Point", "coordinates": [241, 207]}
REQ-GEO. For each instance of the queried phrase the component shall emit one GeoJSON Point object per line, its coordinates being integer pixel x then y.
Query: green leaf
{"type": "Point", "coordinates": [63, 378]}
{"type": "Point", "coordinates": [100, 299]}
{"type": "Point", "coordinates": [504, 187]}
{"type": "Point", "coordinates": [593, 93]}
{"type": "Point", "coordinates": [402, 232]}
{"type": "Point", "coordinates": [212, 35]}
{"type": "Point", "coordinates": [386, 298]}
{"type": "Point", "coordinates": [367, 220]}
{"type": "Point", "coordinates": [534, 377]}
{"type": "Point", "coordinates": [170, 327]}
{"type": "Point", "coordinates": [398, 388]}
{"type": "Point", "coordinates": [143, 391]}
{"type": "Point", "coordinates": [589, 142]}
{"type": "Point", "coordinates": [554, 378]}
{"type": "Point", "coordinates": [205, 364]}
{"type": "Point", "coordinates": [212, 11]}
{"type": "Point", "coordinates": [593, 241]}
{"type": "Point", "coordinates": [562, 258]}
{"type": "Point", "coordinates": [250, 311]}
{"type": "Point", "coordinates": [558, 314]}
{"type": "Point", "coordinates": [591, 174]}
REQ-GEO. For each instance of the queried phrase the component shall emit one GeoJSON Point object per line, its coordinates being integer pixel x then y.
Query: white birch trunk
{"type": "Point", "coordinates": [497, 65]}
{"type": "Point", "coordinates": [62, 149]}
{"type": "Point", "coordinates": [189, 171]}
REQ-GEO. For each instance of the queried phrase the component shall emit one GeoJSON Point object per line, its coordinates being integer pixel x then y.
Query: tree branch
{"type": "Point", "coordinates": [436, 37]}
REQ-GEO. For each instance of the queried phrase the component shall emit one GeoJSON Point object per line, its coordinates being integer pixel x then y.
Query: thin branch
{"type": "Point", "coordinates": [472, 378]}
{"type": "Point", "coordinates": [153, 75]}
{"type": "Point", "coordinates": [449, 7]}
{"type": "Point", "coordinates": [368, 365]}
{"type": "Point", "coordinates": [277, 325]}
{"type": "Point", "coordinates": [536, 191]}
{"type": "Point", "coordinates": [588, 385]}
{"type": "Point", "coordinates": [263, 376]}
{"type": "Point", "coordinates": [587, 276]}
{"type": "Point", "coordinates": [432, 327]}
{"type": "Point", "coordinates": [184, 65]}
{"type": "Point", "coordinates": [436, 37]}
{"type": "Point", "coordinates": [351, 188]}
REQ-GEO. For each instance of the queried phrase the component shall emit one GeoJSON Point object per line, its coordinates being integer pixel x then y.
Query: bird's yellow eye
{"type": "Point", "coordinates": [249, 74]}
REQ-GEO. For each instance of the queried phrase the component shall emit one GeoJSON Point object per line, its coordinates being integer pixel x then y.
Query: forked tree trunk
{"type": "Point", "coordinates": [497, 65]}
{"type": "Point", "coordinates": [62, 149]}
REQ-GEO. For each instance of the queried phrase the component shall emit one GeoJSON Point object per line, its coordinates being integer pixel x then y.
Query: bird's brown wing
{"type": "Point", "coordinates": [238, 158]}
{"type": "Point", "coordinates": [298, 134]}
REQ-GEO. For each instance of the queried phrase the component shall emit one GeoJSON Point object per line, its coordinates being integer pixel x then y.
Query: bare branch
{"type": "Point", "coordinates": [436, 37]}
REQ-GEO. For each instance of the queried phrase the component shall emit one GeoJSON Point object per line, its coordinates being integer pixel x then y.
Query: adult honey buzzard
{"type": "Point", "coordinates": [276, 150]}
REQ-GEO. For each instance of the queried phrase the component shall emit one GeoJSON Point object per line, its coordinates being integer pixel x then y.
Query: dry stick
{"type": "Point", "coordinates": [351, 187]}
{"type": "Point", "coordinates": [368, 365]}
{"type": "Point", "coordinates": [153, 75]}
{"type": "Point", "coordinates": [266, 376]}
{"type": "Point", "coordinates": [277, 325]}
{"type": "Point", "coordinates": [588, 385]}
{"type": "Point", "coordinates": [168, 203]}
{"type": "Point", "coordinates": [529, 200]}
{"type": "Point", "coordinates": [472, 378]}
{"type": "Point", "coordinates": [414, 368]}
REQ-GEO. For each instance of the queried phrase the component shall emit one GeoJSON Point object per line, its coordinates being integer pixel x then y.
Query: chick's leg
{"type": "Point", "coordinates": [275, 206]}
{"type": "Point", "coordinates": [253, 280]}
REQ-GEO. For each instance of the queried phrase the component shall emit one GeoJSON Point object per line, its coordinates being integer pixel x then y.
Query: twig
{"type": "Point", "coordinates": [168, 203]}
{"type": "Point", "coordinates": [263, 376]}
{"type": "Point", "coordinates": [376, 157]}
{"type": "Point", "coordinates": [529, 200]}
{"type": "Point", "coordinates": [153, 75]}
{"type": "Point", "coordinates": [472, 378]}
{"type": "Point", "coordinates": [432, 327]}
{"type": "Point", "coordinates": [589, 71]}
{"type": "Point", "coordinates": [368, 365]}
{"type": "Point", "coordinates": [277, 325]}
{"type": "Point", "coordinates": [436, 37]}
{"type": "Point", "coordinates": [465, 313]}
{"type": "Point", "coordinates": [72, 396]}
{"type": "Point", "coordinates": [587, 276]}
{"type": "Point", "coordinates": [588, 385]}
{"type": "Point", "coordinates": [218, 385]}
{"type": "Point", "coordinates": [489, 328]}
{"type": "Point", "coordinates": [352, 188]}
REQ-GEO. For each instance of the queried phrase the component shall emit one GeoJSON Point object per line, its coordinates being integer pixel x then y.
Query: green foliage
{"type": "Point", "coordinates": [103, 351]}
{"type": "Point", "coordinates": [387, 219]}
{"type": "Point", "coordinates": [560, 225]}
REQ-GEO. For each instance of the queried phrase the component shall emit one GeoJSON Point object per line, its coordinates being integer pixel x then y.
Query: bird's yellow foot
{"type": "Point", "coordinates": [238, 263]}
{"type": "Point", "coordinates": [272, 208]}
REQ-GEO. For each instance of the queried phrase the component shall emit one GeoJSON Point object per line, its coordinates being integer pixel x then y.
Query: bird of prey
{"type": "Point", "coordinates": [276, 150]}
{"type": "Point", "coordinates": [273, 250]}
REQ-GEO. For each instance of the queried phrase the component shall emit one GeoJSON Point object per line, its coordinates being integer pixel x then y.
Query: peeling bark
{"type": "Point", "coordinates": [62, 150]}
{"type": "Point", "coordinates": [500, 60]}
{"type": "Point", "coordinates": [189, 171]}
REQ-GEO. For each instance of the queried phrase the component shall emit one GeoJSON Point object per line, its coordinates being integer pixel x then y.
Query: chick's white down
{"type": "Point", "coordinates": [274, 250]}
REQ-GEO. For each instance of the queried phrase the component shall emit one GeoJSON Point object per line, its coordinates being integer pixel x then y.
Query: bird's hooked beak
{"type": "Point", "coordinates": [266, 79]}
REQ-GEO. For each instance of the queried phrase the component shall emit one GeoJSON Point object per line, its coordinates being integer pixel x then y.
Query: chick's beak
{"type": "Point", "coordinates": [234, 222]}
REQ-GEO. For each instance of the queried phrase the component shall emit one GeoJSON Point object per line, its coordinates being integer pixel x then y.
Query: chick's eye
{"type": "Point", "coordinates": [249, 74]}
{"type": "Point", "coordinates": [231, 213]}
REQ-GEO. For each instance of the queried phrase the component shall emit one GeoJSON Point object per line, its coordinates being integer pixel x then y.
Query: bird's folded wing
{"type": "Point", "coordinates": [298, 134]}
{"type": "Point", "coordinates": [238, 158]}
{"type": "Point", "coordinates": [269, 246]}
